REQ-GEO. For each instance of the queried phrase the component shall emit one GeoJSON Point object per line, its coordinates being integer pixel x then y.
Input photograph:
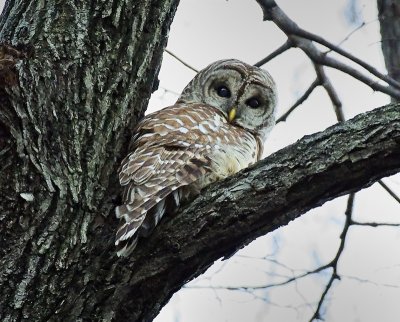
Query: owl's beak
{"type": "Point", "coordinates": [232, 114]}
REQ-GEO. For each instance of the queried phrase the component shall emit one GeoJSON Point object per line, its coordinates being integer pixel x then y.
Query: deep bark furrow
{"type": "Point", "coordinates": [90, 71]}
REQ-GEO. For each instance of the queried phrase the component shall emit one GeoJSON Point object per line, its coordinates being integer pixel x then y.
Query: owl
{"type": "Point", "coordinates": [216, 128]}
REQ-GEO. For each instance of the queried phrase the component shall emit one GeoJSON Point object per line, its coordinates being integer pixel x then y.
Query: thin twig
{"type": "Point", "coordinates": [333, 95]}
{"type": "Point", "coordinates": [374, 224]}
{"type": "Point", "coordinates": [287, 45]}
{"type": "Point", "coordinates": [265, 286]}
{"type": "Point", "coordinates": [300, 101]}
{"type": "Point", "coordinates": [334, 262]}
{"type": "Point", "coordinates": [390, 191]}
{"type": "Point", "coordinates": [362, 280]}
{"type": "Point", "coordinates": [350, 34]}
{"type": "Point", "coordinates": [181, 61]}
{"type": "Point", "coordinates": [166, 90]}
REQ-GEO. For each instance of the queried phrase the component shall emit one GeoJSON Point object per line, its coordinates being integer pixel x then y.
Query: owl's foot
{"type": "Point", "coordinates": [9, 56]}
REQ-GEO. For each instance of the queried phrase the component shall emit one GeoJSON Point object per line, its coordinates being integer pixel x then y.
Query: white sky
{"type": "Point", "coordinates": [208, 30]}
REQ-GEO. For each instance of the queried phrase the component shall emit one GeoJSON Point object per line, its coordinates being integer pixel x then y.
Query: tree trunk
{"type": "Point", "coordinates": [90, 69]}
{"type": "Point", "coordinates": [389, 20]}
{"type": "Point", "coordinates": [64, 125]}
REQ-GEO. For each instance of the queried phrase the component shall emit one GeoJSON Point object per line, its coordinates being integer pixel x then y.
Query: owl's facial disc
{"type": "Point", "coordinates": [245, 94]}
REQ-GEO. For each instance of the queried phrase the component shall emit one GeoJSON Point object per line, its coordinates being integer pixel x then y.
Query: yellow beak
{"type": "Point", "coordinates": [232, 114]}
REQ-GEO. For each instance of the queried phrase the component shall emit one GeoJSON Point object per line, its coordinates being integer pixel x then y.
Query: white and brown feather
{"type": "Point", "coordinates": [182, 145]}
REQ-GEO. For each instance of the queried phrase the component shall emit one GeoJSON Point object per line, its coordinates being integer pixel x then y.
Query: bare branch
{"type": "Point", "coordinates": [181, 61]}
{"type": "Point", "coordinates": [363, 24]}
{"type": "Point", "coordinates": [326, 83]}
{"type": "Point", "coordinates": [390, 191]}
{"type": "Point", "coordinates": [273, 12]}
{"type": "Point", "coordinates": [287, 45]}
{"type": "Point", "coordinates": [265, 286]}
{"type": "Point", "coordinates": [334, 262]}
{"type": "Point", "coordinates": [366, 281]}
{"type": "Point", "coordinates": [374, 224]}
{"type": "Point", "coordinates": [303, 40]}
{"type": "Point", "coordinates": [298, 37]}
{"type": "Point", "coordinates": [351, 57]}
{"type": "Point", "coordinates": [166, 90]}
{"type": "Point", "coordinates": [300, 101]}
{"type": "Point", "coordinates": [319, 58]}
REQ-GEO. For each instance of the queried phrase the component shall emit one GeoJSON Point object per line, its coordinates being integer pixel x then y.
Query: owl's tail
{"type": "Point", "coordinates": [134, 224]}
{"type": "Point", "coordinates": [126, 247]}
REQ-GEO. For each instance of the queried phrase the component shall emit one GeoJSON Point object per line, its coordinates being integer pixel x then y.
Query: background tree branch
{"type": "Point", "coordinates": [305, 41]}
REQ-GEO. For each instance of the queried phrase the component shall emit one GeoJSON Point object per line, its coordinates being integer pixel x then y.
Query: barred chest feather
{"type": "Point", "coordinates": [229, 159]}
{"type": "Point", "coordinates": [231, 150]}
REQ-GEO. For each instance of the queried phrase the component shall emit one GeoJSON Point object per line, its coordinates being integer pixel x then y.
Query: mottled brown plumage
{"type": "Point", "coordinates": [180, 149]}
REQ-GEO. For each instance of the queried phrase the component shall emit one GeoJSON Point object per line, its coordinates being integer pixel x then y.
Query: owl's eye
{"type": "Point", "coordinates": [223, 91]}
{"type": "Point", "coordinates": [253, 102]}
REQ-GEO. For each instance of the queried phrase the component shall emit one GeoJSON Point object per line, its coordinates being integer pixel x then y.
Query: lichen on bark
{"type": "Point", "coordinates": [91, 68]}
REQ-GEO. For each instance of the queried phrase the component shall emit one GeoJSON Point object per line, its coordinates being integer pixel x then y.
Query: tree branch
{"type": "Point", "coordinates": [389, 191]}
{"type": "Point", "coordinates": [273, 12]}
{"type": "Point", "coordinates": [230, 214]}
{"type": "Point", "coordinates": [287, 45]}
{"type": "Point", "coordinates": [333, 95]}
{"type": "Point", "coordinates": [80, 94]}
{"type": "Point", "coordinates": [300, 101]}
{"type": "Point", "coordinates": [181, 61]}
{"type": "Point", "coordinates": [334, 263]}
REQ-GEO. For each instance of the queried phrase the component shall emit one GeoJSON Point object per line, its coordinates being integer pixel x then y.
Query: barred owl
{"type": "Point", "coordinates": [216, 128]}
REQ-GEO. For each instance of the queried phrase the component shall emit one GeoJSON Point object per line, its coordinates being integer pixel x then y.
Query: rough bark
{"type": "Point", "coordinates": [90, 70]}
{"type": "Point", "coordinates": [389, 20]}
{"type": "Point", "coordinates": [86, 80]}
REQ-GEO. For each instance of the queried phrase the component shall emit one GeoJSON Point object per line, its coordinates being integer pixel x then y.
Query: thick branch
{"type": "Point", "coordinates": [346, 157]}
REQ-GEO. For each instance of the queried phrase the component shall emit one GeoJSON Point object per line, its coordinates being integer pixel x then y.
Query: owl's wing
{"type": "Point", "coordinates": [164, 159]}
{"type": "Point", "coordinates": [148, 185]}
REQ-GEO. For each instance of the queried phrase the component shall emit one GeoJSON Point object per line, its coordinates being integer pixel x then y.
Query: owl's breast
{"type": "Point", "coordinates": [227, 148]}
{"type": "Point", "coordinates": [229, 157]}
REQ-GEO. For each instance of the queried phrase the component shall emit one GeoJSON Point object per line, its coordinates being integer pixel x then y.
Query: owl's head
{"type": "Point", "coordinates": [245, 94]}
